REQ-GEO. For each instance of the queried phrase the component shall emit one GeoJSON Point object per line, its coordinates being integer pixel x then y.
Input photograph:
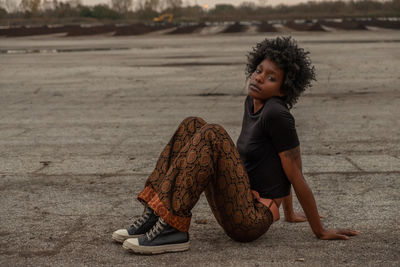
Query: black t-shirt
{"type": "Point", "coordinates": [264, 134]}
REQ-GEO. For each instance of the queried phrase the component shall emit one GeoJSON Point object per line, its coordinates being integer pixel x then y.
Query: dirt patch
{"type": "Point", "coordinates": [91, 30]}
{"type": "Point", "coordinates": [345, 25]}
{"type": "Point", "coordinates": [25, 31]}
{"type": "Point", "coordinates": [266, 27]}
{"type": "Point", "coordinates": [139, 28]}
{"type": "Point", "coordinates": [40, 30]}
{"type": "Point", "coordinates": [311, 27]}
{"type": "Point", "coordinates": [237, 27]}
{"type": "Point", "coordinates": [77, 30]}
{"type": "Point", "coordinates": [383, 24]}
{"type": "Point", "coordinates": [188, 29]}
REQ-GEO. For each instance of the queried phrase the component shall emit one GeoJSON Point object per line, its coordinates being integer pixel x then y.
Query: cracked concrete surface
{"type": "Point", "coordinates": [80, 131]}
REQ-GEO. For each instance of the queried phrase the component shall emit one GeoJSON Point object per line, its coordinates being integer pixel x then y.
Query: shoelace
{"type": "Point", "coordinates": [141, 220]}
{"type": "Point", "coordinates": [156, 230]}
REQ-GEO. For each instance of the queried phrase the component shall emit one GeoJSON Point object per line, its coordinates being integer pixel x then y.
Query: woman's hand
{"type": "Point", "coordinates": [297, 217]}
{"type": "Point", "coordinates": [333, 234]}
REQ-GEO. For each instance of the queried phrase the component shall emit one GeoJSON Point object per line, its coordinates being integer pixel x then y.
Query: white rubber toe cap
{"type": "Point", "coordinates": [122, 232]}
{"type": "Point", "coordinates": [132, 241]}
{"type": "Point", "coordinates": [120, 235]}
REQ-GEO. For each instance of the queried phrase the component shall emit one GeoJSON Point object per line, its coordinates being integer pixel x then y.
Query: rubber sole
{"type": "Point", "coordinates": [151, 250]}
{"type": "Point", "coordinates": [121, 238]}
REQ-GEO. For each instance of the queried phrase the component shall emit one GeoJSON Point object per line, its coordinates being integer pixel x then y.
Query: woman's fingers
{"type": "Point", "coordinates": [343, 237]}
{"type": "Point", "coordinates": [342, 234]}
{"type": "Point", "coordinates": [348, 232]}
{"type": "Point", "coordinates": [334, 236]}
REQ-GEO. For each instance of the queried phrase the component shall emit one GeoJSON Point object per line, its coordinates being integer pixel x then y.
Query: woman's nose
{"type": "Point", "coordinates": [258, 77]}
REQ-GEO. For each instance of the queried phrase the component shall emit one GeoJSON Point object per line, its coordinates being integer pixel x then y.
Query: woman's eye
{"type": "Point", "coordinates": [258, 71]}
{"type": "Point", "coordinates": [271, 78]}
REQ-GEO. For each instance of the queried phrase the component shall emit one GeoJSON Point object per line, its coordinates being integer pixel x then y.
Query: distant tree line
{"type": "Point", "coordinates": [146, 10]}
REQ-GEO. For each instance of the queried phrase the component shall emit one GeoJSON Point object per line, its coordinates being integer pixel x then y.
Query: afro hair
{"type": "Point", "coordinates": [293, 60]}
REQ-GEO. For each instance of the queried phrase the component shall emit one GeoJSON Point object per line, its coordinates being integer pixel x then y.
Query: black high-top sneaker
{"type": "Point", "coordinates": [159, 239]}
{"type": "Point", "coordinates": [139, 227]}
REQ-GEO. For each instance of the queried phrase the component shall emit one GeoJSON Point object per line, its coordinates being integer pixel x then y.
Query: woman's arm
{"type": "Point", "coordinates": [291, 163]}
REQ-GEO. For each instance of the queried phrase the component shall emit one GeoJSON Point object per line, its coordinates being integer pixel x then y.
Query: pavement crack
{"type": "Point", "coordinates": [354, 164]}
{"type": "Point", "coordinates": [45, 164]}
{"type": "Point", "coordinates": [21, 133]}
{"type": "Point", "coordinates": [37, 90]}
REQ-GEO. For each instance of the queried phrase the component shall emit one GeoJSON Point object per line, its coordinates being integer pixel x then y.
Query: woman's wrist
{"type": "Point", "coordinates": [319, 234]}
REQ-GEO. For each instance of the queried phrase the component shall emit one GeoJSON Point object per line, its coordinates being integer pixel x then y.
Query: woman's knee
{"type": "Point", "coordinates": [211, 129]}
{"type": "Point", "coordinates": [195, 119]}
{"type": "Point", "coordinates": [191, 125]}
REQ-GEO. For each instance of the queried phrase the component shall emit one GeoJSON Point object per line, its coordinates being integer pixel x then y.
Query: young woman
{"type": "Point", "coordinates": [244, 186]}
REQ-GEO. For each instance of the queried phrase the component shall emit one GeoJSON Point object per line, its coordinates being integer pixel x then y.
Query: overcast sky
{"type": "Point", "coordinates": [211, 3]}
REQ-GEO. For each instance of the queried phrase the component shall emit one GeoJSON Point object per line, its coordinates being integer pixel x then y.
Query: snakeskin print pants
{"type": "Point", "coordinates": [201, 157]}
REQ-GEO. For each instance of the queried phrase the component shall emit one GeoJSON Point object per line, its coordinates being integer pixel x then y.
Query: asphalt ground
{"type": "Point", "coordinates": [83, 120]}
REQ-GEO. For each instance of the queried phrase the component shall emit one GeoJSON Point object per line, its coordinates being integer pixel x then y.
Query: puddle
{"type": "Point", "coordinates": [54, 51]}
{"type": "Point", "coordinates": [349, 41]}
{"type": "Point", "coordinates": [186, 64]}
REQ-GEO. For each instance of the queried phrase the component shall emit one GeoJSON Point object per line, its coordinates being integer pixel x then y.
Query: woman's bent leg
{"type": "Point", "coordinates": [182, 135]}
{"type": "Point", "coordinates": [209, 161]}
{"type": "Point", "coordinates": [186, 129]}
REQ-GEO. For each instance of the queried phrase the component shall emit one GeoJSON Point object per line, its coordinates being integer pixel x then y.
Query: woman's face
{"type": "Point", "coordinates": [266, 81]}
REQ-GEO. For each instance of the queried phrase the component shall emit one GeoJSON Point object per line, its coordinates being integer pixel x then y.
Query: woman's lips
{"type": "Point", "coordinates": [254, 88]}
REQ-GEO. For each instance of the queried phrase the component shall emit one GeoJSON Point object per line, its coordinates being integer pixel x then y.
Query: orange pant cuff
{"type": "Point", "coordinates": [149, 195]}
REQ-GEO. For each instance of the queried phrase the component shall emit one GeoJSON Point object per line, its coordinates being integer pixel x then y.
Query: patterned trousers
{"type": "Point", "coordinates": [202, 157]}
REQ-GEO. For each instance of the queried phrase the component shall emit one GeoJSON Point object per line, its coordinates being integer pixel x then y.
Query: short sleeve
{"type": "Point", "coordinates": [279, 124]}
